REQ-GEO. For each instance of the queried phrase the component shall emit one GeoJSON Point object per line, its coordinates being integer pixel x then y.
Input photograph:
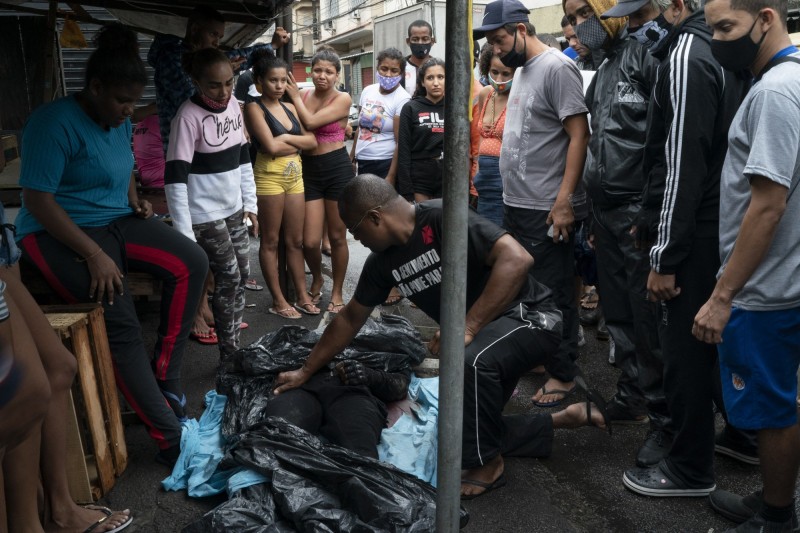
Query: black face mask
{"type": "Point", "coordinates": [420, 50]}
{"type": "Point", "coordinates": [739, 54]}
{"type": "Point", "coordinates": [514, 59]}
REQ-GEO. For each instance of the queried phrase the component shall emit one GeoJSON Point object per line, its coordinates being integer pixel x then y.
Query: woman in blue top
{"type": "Point", "coordinates": [83, 226]}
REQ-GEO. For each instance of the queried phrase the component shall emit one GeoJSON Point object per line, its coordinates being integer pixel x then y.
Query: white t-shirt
{"type": "Point", "coordinates": [376, 140]}
{"type": "Point", "coordinates": [764, 140]}
{"type": "Point", "coordinates": [411, 77]}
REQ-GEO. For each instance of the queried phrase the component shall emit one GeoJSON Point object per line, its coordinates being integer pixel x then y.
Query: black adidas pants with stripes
{"type": "Point", "coordinates": [497, 357]}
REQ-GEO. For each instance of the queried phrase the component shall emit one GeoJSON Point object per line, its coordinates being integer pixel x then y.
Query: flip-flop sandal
{"type": "Point", "coordinates": [489, 487]}
{"type": "Point", "coordinates": [205, 338]}
{"type": "Point", "coordinates": [394, 299]}
{"type": "Point", "coordinates": [563, 392]}
{"type": "Point", "coordinates": [108, 513]}
{"type": "Point", "coordinates": [590, 299]}
{"type": "Point", "coordinates": [315, 297]}
{"type": "Point", "coordinates": [304, 308]}
{"type": "Point", "coordinates": [284, 313]}
{"type": "Point", "coordinates": [334, 308]}
{"type": "Point", "coordinates": [594, 397]}
{"type": "Point", "coordinates": [252, 285]}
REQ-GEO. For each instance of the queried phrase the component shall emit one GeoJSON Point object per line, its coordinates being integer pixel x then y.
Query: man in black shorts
{"type": "Point", "coordinates": [512, 323]}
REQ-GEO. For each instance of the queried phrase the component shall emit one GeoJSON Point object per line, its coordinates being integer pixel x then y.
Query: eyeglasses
{"type": "Point", "coordinates": [360, 220]}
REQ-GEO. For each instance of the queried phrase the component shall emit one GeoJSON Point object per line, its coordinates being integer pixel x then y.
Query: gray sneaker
{"type": "Point", "coordinates": [734, 507]}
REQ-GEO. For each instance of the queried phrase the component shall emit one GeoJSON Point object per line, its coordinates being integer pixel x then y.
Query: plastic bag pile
{"type": "Point", "coordinates": [313, 486]}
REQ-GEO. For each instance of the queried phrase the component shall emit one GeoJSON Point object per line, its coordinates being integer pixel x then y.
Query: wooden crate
{"type": "Point", "coordinates": [96, 447]}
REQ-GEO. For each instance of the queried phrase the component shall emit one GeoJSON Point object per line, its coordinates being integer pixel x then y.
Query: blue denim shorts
{"type": "Point", "coordinates": [9, 253]}
{"type": "Point", "coordinates": [758, 360]}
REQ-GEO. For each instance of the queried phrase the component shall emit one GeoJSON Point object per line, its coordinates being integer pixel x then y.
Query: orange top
{"type": "Point", "coordinates": [490, 137]}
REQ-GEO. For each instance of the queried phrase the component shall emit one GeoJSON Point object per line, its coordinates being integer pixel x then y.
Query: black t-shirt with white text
{"type": "Point", "coordinates": [415, 267]}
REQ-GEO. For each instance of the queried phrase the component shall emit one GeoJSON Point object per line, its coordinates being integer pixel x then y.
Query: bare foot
{"type": "Point", "coordinates": [200, 326]}
{"type": "Point", "coordinates": [315, 291]}
{"type": "Point", "coordinates": [553, 390]}
{"type": "Point", "coordinates": [575, 416]}
{"type": "Point", "coordinates": [80, 518]}
{"type": "Point", "coordinates": [487, 473]}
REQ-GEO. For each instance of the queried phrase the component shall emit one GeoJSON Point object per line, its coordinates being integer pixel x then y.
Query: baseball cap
{"type": "Point", "coordinates": [501, 12]}
{"type": "Point", "coordinates": [624, 8]}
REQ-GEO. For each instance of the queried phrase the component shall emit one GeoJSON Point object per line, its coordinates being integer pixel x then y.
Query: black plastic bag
{"type": "Point", "coordinates": [249, 510]}
{"type": "Point", "coordinates": [324, 487]}
{"type": "Point", "coordinates": [391, 344]}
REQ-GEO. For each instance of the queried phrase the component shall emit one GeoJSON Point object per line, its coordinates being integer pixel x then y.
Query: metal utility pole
{"type": "Point", "coordinates": [458, 65]}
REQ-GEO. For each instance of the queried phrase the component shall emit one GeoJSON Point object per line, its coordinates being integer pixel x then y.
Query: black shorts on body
{"type": "Point", "coordinates": [324, 176]}
{"type": "Point", "coordinates": [426, 177]}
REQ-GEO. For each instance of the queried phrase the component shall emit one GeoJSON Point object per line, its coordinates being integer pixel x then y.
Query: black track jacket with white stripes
{"type": "Point", "coordinates": [693, 103]}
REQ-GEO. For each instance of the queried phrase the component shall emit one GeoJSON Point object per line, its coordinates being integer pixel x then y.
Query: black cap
{"type": "Point", "coordinates": [624, 8]}
{"type": "Point", "coordinates": [501, 12]}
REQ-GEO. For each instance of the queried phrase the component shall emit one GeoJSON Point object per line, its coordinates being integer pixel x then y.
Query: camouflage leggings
{"type": "Point", "coordinates": [227, 246]}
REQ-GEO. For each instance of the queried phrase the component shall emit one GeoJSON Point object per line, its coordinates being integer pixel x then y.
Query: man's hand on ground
{"type": "Point", "coordinates": [291, 380]}
{"type": "Point", "coordinates": [661, 287]}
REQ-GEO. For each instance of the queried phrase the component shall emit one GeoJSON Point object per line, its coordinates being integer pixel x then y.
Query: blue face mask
{"type": "Point", "coordinates": [651, 33]}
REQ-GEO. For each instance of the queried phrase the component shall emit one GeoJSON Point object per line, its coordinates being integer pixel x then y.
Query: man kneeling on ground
{"type": "Point", "coordinates": [512, 323]}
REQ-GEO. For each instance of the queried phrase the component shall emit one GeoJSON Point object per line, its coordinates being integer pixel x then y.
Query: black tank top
{"type": "Point", "coordinates": [275, 125]}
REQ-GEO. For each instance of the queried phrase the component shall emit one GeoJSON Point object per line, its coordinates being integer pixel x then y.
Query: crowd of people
{"type": "Point", "coordinates": [667, 167]}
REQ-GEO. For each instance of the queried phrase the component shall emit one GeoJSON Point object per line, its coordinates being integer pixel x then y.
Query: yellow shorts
{"type": "Point", "coordinates": [279, 175]}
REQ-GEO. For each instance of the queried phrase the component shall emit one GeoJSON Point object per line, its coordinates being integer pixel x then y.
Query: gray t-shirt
{"type": "Point", "coordinates": [764, 140]}
{"type": "Point", "coordinates": [548, 89]}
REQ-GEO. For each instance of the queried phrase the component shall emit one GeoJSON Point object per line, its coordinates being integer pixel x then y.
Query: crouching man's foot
{"type": "Point", "coordinates": [578, 415]}
{"type": "Point", "coordinates": [482, 479]}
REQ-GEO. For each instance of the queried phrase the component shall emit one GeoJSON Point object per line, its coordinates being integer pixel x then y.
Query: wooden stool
{"type": "Point", "coordinates": [96, 450]}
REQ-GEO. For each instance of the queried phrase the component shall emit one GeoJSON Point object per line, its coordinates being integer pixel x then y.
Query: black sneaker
{"type": "Point", "coordinates": [734, 507]}
{"type": "Point", "coordinates": [656, 446]}
{"type": "Point", "coordinates": [653, 481]}
{"type": "Point", "coordinates": [622, 416]}
{"type": "Point", "coordinates": [758, 524]}
{"type": "Point", "coordinates": [745, 453]}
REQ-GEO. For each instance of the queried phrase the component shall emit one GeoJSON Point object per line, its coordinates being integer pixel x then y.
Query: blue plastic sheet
{"type": "Point", "coordinates": [411, 443]}
{"type": "Point", "coordinates": [202, 450]}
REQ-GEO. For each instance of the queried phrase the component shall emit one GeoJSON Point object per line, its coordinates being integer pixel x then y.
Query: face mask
{"type": "Point", "coordinates": [591, 33]}
{"type": "Point", "coordinates": [214, 104]}
{"type": "Point", "coordinates": [739, 54]}
{"type": "Point", "coordinates": [501, 87]}
{"type": "Point", "coordinates": [388, 83]}
{"type": "Point", "coordinates": [420, 50]}
{"type": "Point", "coordinates": [514, 59]}
{"type": "Point", "coordinates": [651, 33]}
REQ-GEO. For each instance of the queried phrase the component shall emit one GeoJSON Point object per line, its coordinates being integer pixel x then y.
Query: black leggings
{"type": "Point", "coordinates": [143, 246]}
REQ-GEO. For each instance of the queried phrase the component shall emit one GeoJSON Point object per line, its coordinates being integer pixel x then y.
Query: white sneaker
{"type": "Point", "coordinates": [611, 347]}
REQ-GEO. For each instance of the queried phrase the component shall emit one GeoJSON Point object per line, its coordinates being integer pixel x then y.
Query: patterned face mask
{"type": "Point", "coordinates": [500, 86]}
{"type": "Point", "coordinates": [591, 33]}
{"type": "Point", "coordinates": [388, 83]}
{"type": "Point", "coordinates": [214, 104]}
